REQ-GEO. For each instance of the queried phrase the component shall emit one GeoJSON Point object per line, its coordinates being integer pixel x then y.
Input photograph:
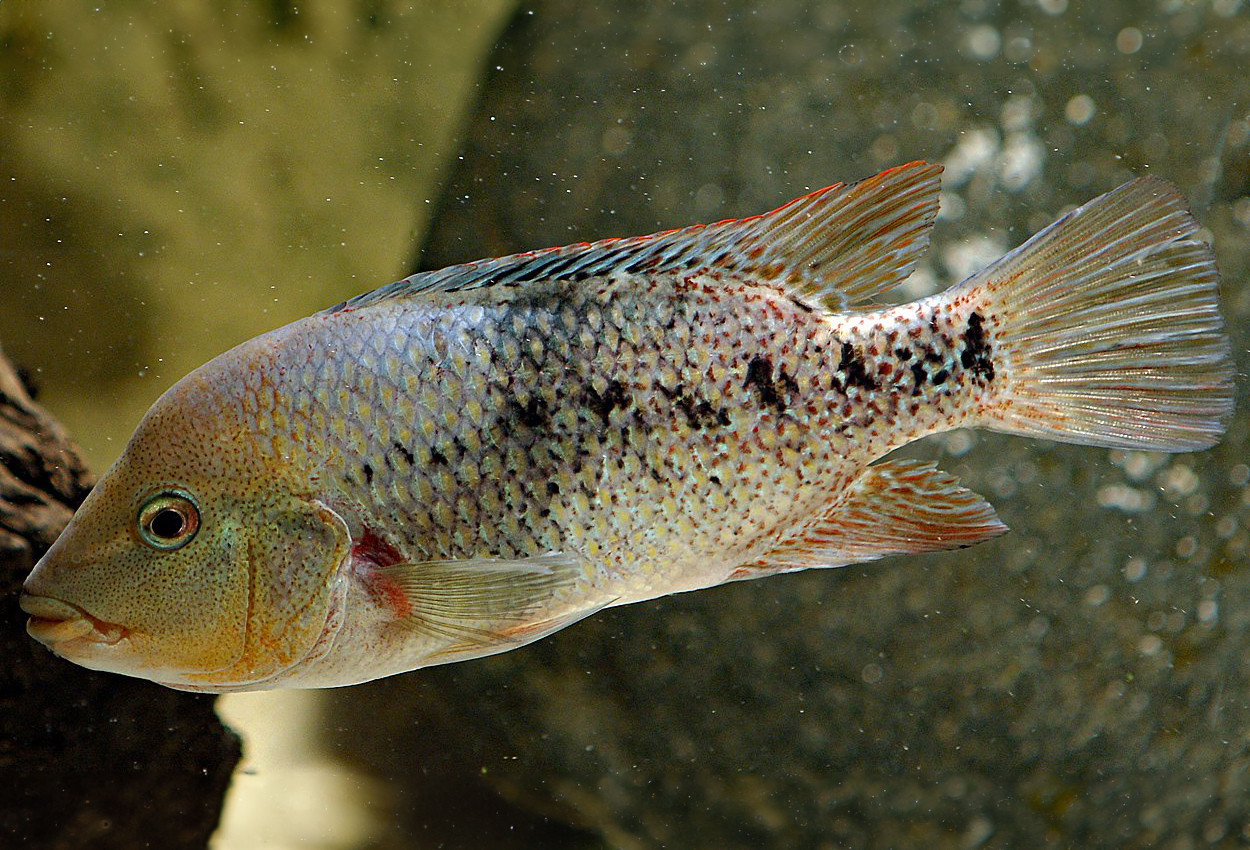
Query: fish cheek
{"type": "Point", "coordinates": [294, 556]}
{"type": "Point", "coordinates": [183, 611]}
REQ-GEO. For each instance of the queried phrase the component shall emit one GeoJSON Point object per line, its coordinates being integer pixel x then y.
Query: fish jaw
{"type": "Point", "coordinates": [70, 632]}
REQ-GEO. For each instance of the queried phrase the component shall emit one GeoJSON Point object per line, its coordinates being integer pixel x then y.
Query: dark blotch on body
{"type": "Point", "coordinates": [976, 354]}
{"type": "Point", "coordinates": [404, 453]}
{"type": "Point", "coordinates": [368, 471]}
{"type": "Point", "coordinates": [532, 414]}
{"type": "Point", "coordinates": [613, 397]}
{"type": "Point", "coordinates": [438, 457]}
{"type": "Point", "coordinates": [760, 376]}
{"type": "Point", "coordinates": [797, 302]}
{"type": "Point", "coordinates": [918, 372]}
{"type": "Point", "coordinates": [699, 414]}
{"type": "Point", "coordinates": [852, 365]}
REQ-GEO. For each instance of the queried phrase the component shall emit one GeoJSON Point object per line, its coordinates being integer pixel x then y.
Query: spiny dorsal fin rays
{"type": "Point", "coordinates": [848, 243]}
{"type": "Point", "coordinates": [840, 245]}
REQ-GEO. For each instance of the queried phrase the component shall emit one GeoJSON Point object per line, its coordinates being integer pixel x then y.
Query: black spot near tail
{"type": "Point", "coordinates": [918, 372]}
{"type": "Point", "coordinates": [852, 365]}
{"type": "Point", "coordinates": [976, 354]}
{"type": "Point", "coordinates": [760, 376]}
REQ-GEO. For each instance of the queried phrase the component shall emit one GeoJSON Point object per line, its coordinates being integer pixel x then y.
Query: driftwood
{"type": "Point", "coordinates": [87, 760]}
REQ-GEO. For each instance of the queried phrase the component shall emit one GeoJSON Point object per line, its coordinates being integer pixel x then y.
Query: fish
{"type": "Point", "coordinates": [470, 459]}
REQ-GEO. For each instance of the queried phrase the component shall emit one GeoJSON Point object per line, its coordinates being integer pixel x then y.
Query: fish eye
{"type": "Point", "coordinates": [168, 521]}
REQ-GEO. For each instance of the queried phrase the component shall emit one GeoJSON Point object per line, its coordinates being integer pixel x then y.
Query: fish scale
{"type": "Point", "coordinates": [473, 458]}
{"type": "Point", "coordinates": [737, 472]}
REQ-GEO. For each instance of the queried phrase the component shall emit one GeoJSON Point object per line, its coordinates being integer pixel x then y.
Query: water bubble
{"type": "Point", "coordinates": [1097, 595]}
{"type": "Point", "coordinates": [1208, 611]}
{"type": "Point", "coordinates": [983, 42]}
{"type": "Point", "coordinates": [1079, 110]}
{"type": "Point", "coordinates": [1129, 40]}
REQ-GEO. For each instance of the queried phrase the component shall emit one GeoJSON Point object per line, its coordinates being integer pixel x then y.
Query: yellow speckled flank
{"type": "Point", "coordinates": [472, 458]}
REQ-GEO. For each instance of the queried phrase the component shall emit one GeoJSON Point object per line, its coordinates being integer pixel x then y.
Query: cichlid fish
{"type": "Point", "coordinates": [472, 458]}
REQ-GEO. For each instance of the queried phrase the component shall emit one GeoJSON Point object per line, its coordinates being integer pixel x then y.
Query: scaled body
{"type": "Point", "coordinates": [473, 458]}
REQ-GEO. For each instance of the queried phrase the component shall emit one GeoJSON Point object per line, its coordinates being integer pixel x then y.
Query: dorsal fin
{"type": "Point", "coordinates": [840, 245]}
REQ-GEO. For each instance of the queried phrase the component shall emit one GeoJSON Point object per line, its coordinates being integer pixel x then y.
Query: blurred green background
{"type": "Point", "coordinates": [176, 177]}
{"type": "Point", "coordinates": [180, 176]}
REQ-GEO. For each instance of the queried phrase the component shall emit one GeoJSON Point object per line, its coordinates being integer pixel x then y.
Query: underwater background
{"type": "Point", "coordinates": [177, 177]}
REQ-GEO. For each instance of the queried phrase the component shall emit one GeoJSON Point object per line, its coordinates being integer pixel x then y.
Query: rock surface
{"type": "Point", "coordinates": [1080, 682]}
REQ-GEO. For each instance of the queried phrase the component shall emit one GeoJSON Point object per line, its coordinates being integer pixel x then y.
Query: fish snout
{"type": "Point", "coordinates": [53, 622]}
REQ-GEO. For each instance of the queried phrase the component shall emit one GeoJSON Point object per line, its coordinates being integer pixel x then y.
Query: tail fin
{"type": "Point", "coordinates": [1108, 325]}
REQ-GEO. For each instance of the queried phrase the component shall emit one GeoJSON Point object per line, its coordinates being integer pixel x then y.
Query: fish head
{"type": "Point", "coordinates": [194, 562]}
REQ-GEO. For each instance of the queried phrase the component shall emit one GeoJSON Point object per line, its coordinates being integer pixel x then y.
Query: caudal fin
{"type": "Point", "coordinates": [1109, 327]}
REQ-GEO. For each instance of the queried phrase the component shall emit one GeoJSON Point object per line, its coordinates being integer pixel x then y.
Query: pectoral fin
{"type": "Point", "coordinates": [893, 508]}
{"type": "Point", "coordinates": [484, 605]}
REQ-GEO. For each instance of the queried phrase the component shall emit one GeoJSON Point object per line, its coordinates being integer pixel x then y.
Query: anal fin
{"type": "Point", "coordinates": [892, 508]}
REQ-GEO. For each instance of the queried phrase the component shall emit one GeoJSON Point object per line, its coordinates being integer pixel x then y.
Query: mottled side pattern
{"type": "Point", "coordinates": [669, 429]}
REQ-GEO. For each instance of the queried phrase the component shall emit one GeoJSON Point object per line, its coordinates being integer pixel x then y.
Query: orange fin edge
{"type": "Point", "coordinates": [893, 508]}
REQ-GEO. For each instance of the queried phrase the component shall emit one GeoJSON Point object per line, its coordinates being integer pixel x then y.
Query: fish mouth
{"type": "Point", "coordinates": [53, 622]}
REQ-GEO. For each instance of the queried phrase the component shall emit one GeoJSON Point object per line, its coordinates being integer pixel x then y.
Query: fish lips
{"type": "Point", "coordinates": [58, 625]}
